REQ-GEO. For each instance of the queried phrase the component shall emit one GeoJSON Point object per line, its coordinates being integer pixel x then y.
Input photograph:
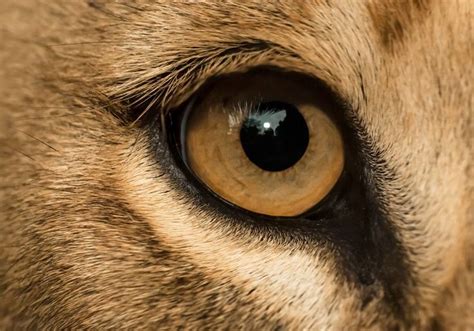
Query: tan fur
{"type": "Point", "coordinates": [95, 235]}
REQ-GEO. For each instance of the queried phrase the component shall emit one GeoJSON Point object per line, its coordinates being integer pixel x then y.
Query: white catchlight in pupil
{"type": "Point", "coordinates": [267, 120]}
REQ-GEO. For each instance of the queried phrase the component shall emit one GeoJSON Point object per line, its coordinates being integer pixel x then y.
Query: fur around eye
{"type": "Point", "coordinates": [111, 217]}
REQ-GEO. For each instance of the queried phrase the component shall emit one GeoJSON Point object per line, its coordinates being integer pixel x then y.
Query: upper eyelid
{"type": "Point", "coordinates": [144, 98]}
{"type": "Point", "coordinates": [168, 88]}
{"type": "Point", "coordinates": [145, 69]}
{"type": "Point", "coordinates": [154, 89]}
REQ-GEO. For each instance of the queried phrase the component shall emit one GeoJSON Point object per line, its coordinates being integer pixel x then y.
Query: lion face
{"type": "Point", "coordinates": [135, 194]}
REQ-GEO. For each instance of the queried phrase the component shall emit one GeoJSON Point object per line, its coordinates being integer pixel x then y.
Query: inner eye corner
{"type": "Point", "coordinates": [273, 136]}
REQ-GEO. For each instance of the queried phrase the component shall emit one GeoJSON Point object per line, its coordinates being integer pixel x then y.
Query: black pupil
{"type": "Point", "coordinates": [274, 136]}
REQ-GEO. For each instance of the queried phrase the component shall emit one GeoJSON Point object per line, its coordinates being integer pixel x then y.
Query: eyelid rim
{"type": "Point", "coordinates": [179, 114]}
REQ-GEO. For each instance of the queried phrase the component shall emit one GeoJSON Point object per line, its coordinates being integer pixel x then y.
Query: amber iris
{"type": "Point", "coordinates": [263, 142]}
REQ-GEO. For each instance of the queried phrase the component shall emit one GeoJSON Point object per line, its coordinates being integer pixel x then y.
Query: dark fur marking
{"type": "Point", "coordinates": [394, 19]}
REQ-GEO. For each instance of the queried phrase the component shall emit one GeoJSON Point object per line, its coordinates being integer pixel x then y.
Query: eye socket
{"type": "Point", "coordinates": [264, 142]}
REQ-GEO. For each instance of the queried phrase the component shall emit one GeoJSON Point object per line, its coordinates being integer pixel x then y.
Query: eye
{"type": "Point", "coordinates": [262, 141]}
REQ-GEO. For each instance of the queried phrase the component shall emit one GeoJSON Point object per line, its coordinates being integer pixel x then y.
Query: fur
{"type": "Point", "coordinates": [97, 234]}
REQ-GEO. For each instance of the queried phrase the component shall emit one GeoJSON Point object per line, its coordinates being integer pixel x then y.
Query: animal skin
{"type": "Point", "coordinates": [100, 228]}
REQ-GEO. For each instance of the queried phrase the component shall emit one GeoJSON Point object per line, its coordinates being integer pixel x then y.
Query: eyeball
{"type": "Point", "coordinates": [264, 142]}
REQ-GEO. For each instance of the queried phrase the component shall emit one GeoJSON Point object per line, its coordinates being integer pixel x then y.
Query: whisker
{"type": "Point", "coordinates": [20, 152]}
{"type": "Point", "coordinates": [80, 43]}
{"type": "Point", "coordinates": [39, 140]}
{"type": "Point", "coordinates": [147, 109]}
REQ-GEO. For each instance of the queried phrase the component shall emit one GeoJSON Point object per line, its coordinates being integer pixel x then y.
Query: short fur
{"type": "Point", "coordinates": [95, 235]}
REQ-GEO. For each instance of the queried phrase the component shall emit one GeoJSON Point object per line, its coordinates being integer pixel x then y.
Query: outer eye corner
{"type": "Point", "coordinates": [285, 156]}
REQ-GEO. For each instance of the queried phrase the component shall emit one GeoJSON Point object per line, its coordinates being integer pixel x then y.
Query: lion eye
{"type": "Point", "coordinates": [264, 142]}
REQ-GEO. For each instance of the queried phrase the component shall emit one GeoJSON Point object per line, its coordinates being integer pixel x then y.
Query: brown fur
{"type": "Point", "coordinates": [393, 19]}
{"type": "Point", "coordinates": [95, 234]}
